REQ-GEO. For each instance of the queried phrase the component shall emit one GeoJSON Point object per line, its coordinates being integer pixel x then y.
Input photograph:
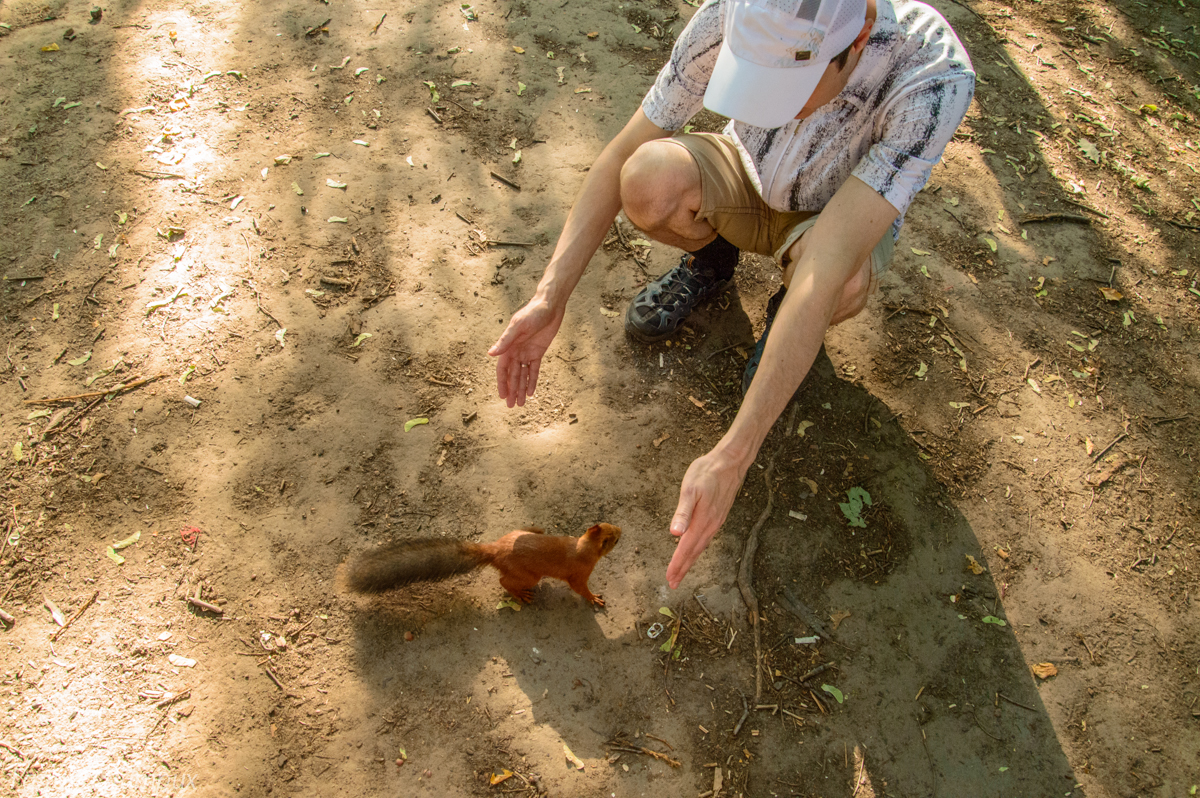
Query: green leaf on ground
{"type": "Point", "coordinates": [852, 508]}
{"type": "Point", "coordinates": [129, 541]}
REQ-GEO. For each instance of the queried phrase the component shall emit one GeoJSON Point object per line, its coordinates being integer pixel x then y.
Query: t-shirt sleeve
{"type": "Point", "coordinates": [915, 130]}
{"type": "Point", "coordinates": [678, 92]}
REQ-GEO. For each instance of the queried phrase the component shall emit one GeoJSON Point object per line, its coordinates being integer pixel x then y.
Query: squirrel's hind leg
{"type": "Point", "coordinates": [520, 589]}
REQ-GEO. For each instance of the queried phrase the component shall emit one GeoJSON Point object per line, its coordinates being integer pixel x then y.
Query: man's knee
{"type": "Point", "coordinates": [657, 181]}
{"type": "Point", "coordinates": [855, 293]}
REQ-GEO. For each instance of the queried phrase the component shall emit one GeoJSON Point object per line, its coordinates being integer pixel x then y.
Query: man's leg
{"type": "Point", "coordinates": [661, 194]}
{"type": "Point", "coordinates": [856, 289]}
{"type": "Point", "coordinates": [855, 292]}
{"type": "Point", "coordinates": [690, 192]}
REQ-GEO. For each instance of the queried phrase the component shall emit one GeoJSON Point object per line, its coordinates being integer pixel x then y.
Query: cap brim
{"type": "Point", "coordinates": [760, 96]}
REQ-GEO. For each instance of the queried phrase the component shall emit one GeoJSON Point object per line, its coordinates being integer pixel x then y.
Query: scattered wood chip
{"type": "Point", "coordinates": [1044, 670]}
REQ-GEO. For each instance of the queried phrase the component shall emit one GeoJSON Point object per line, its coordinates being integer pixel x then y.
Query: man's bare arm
{"type": "Point", "coordinates": [849, 228]}
{"type": "Point", "coordinates": [594, 209]}
{"type": "Point", "coordinates": [520, 348]}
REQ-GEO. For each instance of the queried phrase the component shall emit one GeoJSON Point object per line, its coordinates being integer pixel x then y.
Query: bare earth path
{"type": "Point", "coordinates": [243, 247]}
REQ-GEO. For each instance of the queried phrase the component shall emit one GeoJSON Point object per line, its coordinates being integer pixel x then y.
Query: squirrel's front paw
{"type": "Point", "coordinates": [596, 601]}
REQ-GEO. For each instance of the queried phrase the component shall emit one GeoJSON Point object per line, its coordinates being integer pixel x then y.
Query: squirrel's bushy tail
{"type": "Point", "coordinates": [406, 561]}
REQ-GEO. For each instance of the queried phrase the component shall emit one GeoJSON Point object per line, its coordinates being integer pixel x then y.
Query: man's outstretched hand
{"type": "Point", "coordinates": [521, 347]}
{"type": "Point", "coordinates": [705, 498]}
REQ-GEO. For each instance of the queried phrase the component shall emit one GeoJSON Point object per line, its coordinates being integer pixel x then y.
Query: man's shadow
{"type": "Point", "coordinates": [866, 551]}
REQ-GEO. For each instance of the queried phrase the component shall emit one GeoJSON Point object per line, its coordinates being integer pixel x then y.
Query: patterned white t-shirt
{"type": "Point", "coordinates": [888, 127]}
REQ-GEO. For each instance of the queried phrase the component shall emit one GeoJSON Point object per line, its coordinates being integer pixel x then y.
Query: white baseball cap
{"type": "Point", "coordinates": [774, 54]}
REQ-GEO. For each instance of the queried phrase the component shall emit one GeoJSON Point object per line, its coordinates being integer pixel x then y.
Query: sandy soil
{"type": "Point", "coordinates": [1020, 395]}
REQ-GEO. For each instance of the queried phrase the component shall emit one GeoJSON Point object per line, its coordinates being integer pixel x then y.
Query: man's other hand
{"type": "Point", "coordinates": [709, 487]}
{"type": "Point", "coordinates": [521, 347]}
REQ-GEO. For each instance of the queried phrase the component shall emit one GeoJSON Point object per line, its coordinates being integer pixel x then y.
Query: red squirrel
{"type": "Point", "coordinates": [522, 557]}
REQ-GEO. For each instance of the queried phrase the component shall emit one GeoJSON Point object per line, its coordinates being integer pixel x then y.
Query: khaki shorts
{"type": "Point", "coordinates": [731, 204]}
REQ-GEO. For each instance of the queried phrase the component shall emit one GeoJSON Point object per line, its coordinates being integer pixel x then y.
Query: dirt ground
{"type": "Point", "coordinates": [244, 246]}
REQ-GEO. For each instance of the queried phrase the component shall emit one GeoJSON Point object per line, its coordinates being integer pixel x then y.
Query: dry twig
{"type": "Point", "coordinates": [621, 744]}
{"type": "Point", "coordinates": [74, 617]}
{"type": "Point", "coordinates": [505, 181]}
{"type": "Point", "coordinates": [96, 394]}
{"type": "Point", "coordinates": [745, 579]}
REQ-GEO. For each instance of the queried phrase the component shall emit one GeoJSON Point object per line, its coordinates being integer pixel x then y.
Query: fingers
{"type": "Point", "coordinates": [522, 383]}
{"type": "Point", "coordinates": [686, 553]}
{"type": "Point", "coordinates": [512, 393]}
{"type": "Point", "coordinates": [501, 378]}
{"type": "Point", "coordinates": [535, 368]}
{"type": "Point", "coordinates": [688, 499]}
{"type": "Point", "coordinates": [515, 381]}
{"type": "Point", "coordinates": [683, 516]}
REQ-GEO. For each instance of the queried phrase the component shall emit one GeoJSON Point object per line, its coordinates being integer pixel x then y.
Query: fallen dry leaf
{"type": "Point", "coordinates": [1004, 555]}
{"type": "Point", "coordinates": [837, 617]}
{"type": "Point", "coordinates": [1044, 670]}
{"type": "Point", "coordinates": [973, 566]}
{"type": "Point", "coordinates": [660, 439]}
{"type": "Point", "coordinates": [1096, 480]}
{"type": "Point", "coordinates": [574, 760]}
{"type": "Point", "coordinates": [1111, 294]}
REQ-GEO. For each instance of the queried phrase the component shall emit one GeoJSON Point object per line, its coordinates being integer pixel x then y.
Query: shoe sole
{"type": "Point", "coordinates": [652, 338]}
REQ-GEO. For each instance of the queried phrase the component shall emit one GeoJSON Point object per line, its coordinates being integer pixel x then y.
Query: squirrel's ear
{"type": "Point", "coordinates": [594, 528]}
